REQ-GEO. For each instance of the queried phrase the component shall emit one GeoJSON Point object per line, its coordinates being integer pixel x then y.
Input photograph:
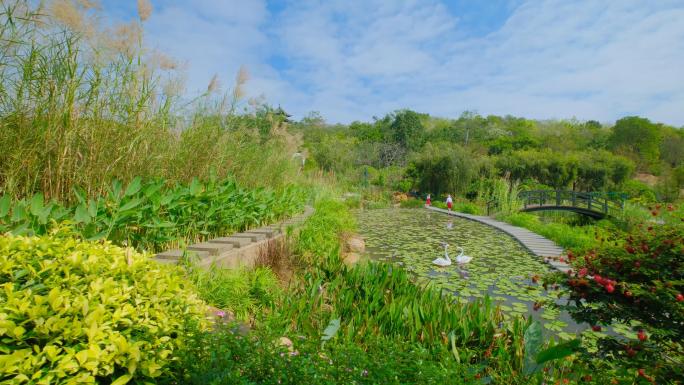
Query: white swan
{"type": "Point", "coordinates": [461, 259]}
{"type": "Point", "coordinates": [443, 262]}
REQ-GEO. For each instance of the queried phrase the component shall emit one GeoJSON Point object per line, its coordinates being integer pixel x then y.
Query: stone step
{"type": "Point", "coordinates": [177, 254]}
{"type": "Point", "coordinates": [255, 237]}
{"type": "Point", "coordinates": [270, 233]}
{"type": "Point", "coordinates": [214, 249]}
{"type": "Point", "coordinates": [237, 242]}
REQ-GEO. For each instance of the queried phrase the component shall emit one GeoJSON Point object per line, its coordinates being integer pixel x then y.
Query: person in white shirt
{"type": "Point", "coordinates": [449, 202]}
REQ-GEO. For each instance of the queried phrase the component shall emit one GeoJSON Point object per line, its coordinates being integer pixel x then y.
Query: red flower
{"type": "Point", "coordinates": [583, 272]}
{"type": "Point", "coordinates": [630, 249]}
{"type": "Point", "coordinates": [610, 288]}
{"type": "Point", "coordinates": [596, 328]}
{"type": "Point", "coordinates": [641, 372]}
{"type": "Point", "coordinates": [644, 248]}
{"type": "Point", "coordinates": [679, 297]}
{"type": "Point", "coordinates": [637, 264]}
{"type": "Point", "coordinates": [642, 336]}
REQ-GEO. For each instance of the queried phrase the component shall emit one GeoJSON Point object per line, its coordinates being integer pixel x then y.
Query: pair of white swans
{"type": "Point", "coordinates": [446, 261]}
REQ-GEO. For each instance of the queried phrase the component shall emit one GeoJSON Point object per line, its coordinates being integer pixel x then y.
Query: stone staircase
{"type": "Point", "coordinates": [236, 250]}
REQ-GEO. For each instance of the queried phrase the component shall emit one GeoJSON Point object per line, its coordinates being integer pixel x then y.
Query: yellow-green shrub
{"type": "Point", "coordinates": [73, 311]}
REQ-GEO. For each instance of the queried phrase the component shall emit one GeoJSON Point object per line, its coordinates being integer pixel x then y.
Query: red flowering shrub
{"type": "Point", "coordinates": [639, 278]}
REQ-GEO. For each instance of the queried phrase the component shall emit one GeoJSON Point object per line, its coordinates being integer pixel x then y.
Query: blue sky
{"type": "Point", "coordinates": [351, 60]}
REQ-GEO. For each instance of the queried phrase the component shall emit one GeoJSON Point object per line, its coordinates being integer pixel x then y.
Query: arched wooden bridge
{"type": "Point", "coordinates": [592, 204]}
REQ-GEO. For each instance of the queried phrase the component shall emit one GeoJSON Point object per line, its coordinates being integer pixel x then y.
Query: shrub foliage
{"type": "Point", "coordinates": [74, 311]}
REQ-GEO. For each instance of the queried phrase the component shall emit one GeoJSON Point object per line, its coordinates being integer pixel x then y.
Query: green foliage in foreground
{"type": "Point", "coordinates": [638, 281]}
{"type": "Point", "coordinates": [243, 292]}
{"type": "Point", "coordinates": [73, 311]}
{"type": "Point", "coordinates": [222, 357]}
{"type": "Point", "coordinates": [150, 215]}
{"type": "Point", "coordinates": [319, 239]}
{"type": "Point", "coordinates": [370, 325]}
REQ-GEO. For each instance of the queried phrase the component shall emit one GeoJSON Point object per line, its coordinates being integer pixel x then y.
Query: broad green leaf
{"type": "Point", "coordinates": [81, 214]}
{"type": "Point", "coordinates": [331, 330]}
{"type": "Point", "coordinates": [116, 188]}
{"type": "Point", "coordinates": [98, 236]}
{"type": "Point", "coordinates": [45, 214]}
{"type": "Point", "coordinates": [5, 203]}
{"type": "Point", "coordinates": [92, 208]}
{"type": "Point", "coordinates": [130, 204]}
{"type": "Point", "coordinates": [195, 187]}
{"type": "Point", "coordinates": [452, 337]}
{"type": "Point", "coordinates": [80, 194]}
{"type": "Point", "coordinates": [559, 351]}
{"type": "Point", "coordinates": [18, 212]}
{"type": "Point", "coordinates": [36, 204]}
{"type": "Point", "coordinates": [133, 187]}
{"type": "Point", "coordinates": [533, 343]}
{"type": "Point", "coordinates": [122, 380]}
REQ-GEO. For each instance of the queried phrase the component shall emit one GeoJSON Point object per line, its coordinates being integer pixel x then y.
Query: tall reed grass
{"type": "Point", "coordinates": [82, 104]}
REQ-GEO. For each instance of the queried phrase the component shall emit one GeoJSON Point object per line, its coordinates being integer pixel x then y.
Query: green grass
{"type": "Point", "coordinates": [412, 204]}
{"type": "Point", "coordinates": [577, 238]}
{"type": "Point", "coordinates": [243, 292]}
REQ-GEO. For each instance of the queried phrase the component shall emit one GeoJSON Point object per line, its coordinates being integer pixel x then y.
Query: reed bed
{"type": "Point", "coordinates": [82, 104]}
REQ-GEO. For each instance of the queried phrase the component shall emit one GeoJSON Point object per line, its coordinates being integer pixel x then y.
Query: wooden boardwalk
{"type": "Point", "coordinates": [535, 243]}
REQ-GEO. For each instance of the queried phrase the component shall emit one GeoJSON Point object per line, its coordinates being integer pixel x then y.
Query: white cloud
{"type": "Point", "coordinates": [353, 60]}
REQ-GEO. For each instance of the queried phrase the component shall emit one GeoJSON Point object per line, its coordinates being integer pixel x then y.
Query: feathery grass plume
{"type": "Point", "coordinates": [67, 12]}
{"type": "Point", "coordinates": [89, 4]}
{"type": "Point", "coordinates": [240, 79]}
{"type": "Point", "coordinates": [144, 9]}
{"type": "Point", "coordinates": [214, 84]}
{"type": "Point", "coordinates": [127, 38]}
{"type": "Point", "coordinates": [163, 61]}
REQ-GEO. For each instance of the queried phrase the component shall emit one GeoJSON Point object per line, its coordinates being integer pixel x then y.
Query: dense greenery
{"type": "Point", "coordinates": [83, 103]}
{"type": "Point", "coordinates": [76, 311]}
{"type": "Point", "coordinates": [637, 280]}
{"type": "Point", "coordinates": [98, 148]}
{"type": "Point", "coordinates": [458, 155]}
{"type": "Point", "coordinates": [149, 215]}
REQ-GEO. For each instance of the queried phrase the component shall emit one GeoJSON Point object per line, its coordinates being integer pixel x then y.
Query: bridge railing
{"type": "Point", "coordinates": [598, 202]}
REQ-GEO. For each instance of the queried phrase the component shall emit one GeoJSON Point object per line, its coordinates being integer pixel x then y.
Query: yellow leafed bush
{"type": "Point", "coordinates": [73, 311]}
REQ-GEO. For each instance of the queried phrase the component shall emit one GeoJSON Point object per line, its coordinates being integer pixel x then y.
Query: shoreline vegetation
{"type": "Point", "coordinates": [104, 162]}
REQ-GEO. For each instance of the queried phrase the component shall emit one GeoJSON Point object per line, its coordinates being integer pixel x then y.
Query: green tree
{"type": "Point", "coordinates": [442, 167]}
{"type": "Point", "coordinates": [672, 147]}
{"type": "Point", "coordinates": [407, 129]}
{"type": "Point", "coordinates": [637, 138]}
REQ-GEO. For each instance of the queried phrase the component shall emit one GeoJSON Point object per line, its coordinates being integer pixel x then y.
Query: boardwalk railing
{"type": "Point", "coordinates": [593, 204]}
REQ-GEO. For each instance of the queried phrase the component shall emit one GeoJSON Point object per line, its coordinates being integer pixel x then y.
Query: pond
{"type": "Point", "coordinates": [501, 267]}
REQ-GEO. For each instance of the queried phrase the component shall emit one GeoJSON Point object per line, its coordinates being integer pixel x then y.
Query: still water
{"type": "Point", "coordinates": [501, 267]}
